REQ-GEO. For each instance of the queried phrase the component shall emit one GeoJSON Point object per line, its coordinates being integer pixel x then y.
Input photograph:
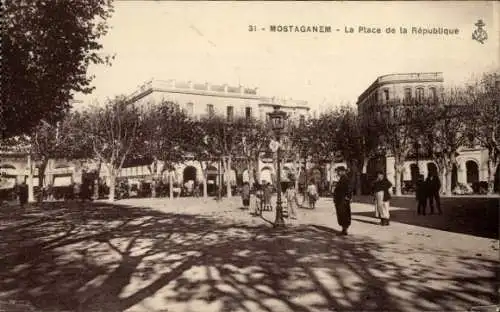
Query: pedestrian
{"type": "Point", "coordinates": [267, 192]}
{"type": "Point", "coordinates": [291, 199]}
{"type": "Point", "coordinates": [433, 186]}
{"type": "Point", "coordinates": [258, 199]}
{"type": "Point", "coordinates": [312, 194]}
{"type": "Point", "coordinates": [23, 194]}
{"type": "Point", "coordinates": [245, 195]}
{"type": "Point", "coordinates": [342, 199]}
{"type": "Point", "coordinates": [381, 189]}
{"type": "Point", "coordinates": [421, 195]}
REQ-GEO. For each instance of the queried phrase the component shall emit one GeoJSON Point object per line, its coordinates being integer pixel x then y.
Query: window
{"type": "Point", "coordinates": [432, 94]}
{"type": "Point", "coordinates": [407, 94]}
{"type": "Point", "coordinates": [386, 95]}
{"type": "Point", "coordinates": [302, 119]}
{"type": "Point", "coordinates": [248, 113]}
{"type": "Point", "coordinates": [230, 113]}
{"type": "Point", "coordinates": [190, 108]}
{"type": "Point", "coordinates": [210, 110]}
{"type": "Point", "coordinates": [420, 94]}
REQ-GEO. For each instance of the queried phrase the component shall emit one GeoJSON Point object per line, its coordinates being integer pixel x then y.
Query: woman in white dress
{"type": "Point", "coordinates": [381, 188]}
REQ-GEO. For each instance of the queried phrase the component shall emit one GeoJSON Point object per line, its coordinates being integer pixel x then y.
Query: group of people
{"type": "Point", "coordinates": [426, 191]}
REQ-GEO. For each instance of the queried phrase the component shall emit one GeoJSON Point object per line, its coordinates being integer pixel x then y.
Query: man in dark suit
{"type": "Point", "coordinates": [342, 200]}
{"type": "Point", "coordinates": [433, 186]}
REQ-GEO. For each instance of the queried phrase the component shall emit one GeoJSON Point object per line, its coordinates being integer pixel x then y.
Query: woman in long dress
{"type": "Point", "coordinates": [381, 189]}
{"type": "Point", "coordinates": [245, 195]}
{"type": "Point", "coordinates": [291, 198]}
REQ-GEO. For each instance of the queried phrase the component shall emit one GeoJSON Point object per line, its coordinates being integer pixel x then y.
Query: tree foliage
{"type": "Point", "coordinates": [166, 135]}
{"type": "Point", "coordinates": [47, 47]}
{"type": "Point", "coordinates": [114, 131]}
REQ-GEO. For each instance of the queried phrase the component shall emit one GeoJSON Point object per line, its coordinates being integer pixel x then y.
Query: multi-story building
{"type": "Point", "coordinates": [202, 100]}
{"type": "Point", "coordinates": [416, 88]}
{"type": "Point", "coordinates": [198, 100]}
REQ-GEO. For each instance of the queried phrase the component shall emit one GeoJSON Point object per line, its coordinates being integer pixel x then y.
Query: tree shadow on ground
{"type": "Point", "coordinates": [472, 216]}
{"type": "Point", "coordinates": [103, 257]}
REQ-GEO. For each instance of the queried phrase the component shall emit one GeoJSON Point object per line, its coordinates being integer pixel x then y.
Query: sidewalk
{"type": "Point", "coordinates": [190, 255]}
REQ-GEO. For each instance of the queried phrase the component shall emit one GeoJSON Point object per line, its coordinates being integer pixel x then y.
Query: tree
{"type": "Point", "coordinates": [114, 131]}
{"type": "Point", "coordinates": [47, 47]}
{"type": "Point", "coordinates": [350, 142]}
{"type": "Point", "coordinates": [484, 97]}
{"type": "Point", "coordinates": [220, 140]}
{"type": "Point", "coordinates": [166, 136]}
{"type": "Point", "coordinates": [392, 125]}
{"type": "Point", "coordinates": [62, 140]}
{"type": "Point", "coordinates": [449, 133]}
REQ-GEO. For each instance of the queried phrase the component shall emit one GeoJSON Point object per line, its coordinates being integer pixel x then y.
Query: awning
{"type": "Point", "coordinates": [62, 181]}
{"type": "Point", "coordinates": [7, 183]}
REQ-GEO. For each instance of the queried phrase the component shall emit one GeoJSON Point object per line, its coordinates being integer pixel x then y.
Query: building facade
{"type": "Point", "coordinates": [417, 88]}
{"type": "Point", "coordinates": [203, 100]}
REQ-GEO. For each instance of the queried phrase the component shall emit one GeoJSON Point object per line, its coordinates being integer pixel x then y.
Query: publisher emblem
{"type": "Point", "coordinates": [480, 33]}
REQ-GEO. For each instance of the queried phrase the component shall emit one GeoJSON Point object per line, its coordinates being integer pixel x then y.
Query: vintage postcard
{"type": "Point", "coordinates": [250, 156]}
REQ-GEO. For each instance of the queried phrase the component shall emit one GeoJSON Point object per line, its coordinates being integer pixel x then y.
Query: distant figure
{"type": "Point", "coordinates": [433, 186]}
{"type": "Point", "coordinates": [245, 195]}
{"type": "Point", "coordinates": [291, 199]}
{"type": "Point", "coordinates": [76, 190]}
{"type": "Point", "coordinates": [23, 194]}
{"type": "Point", "coordinates": [267, 196]}
{"type": "Point", "coordinates": [381, 189]}
{"type": "Point", "coordinates": [258, 199]}
{"type": "Point", "coordinates": [421, 195]}
{"type": "Point", "coordinates": [312, 194]}
{"type": "Point", "coordinates": [342, 200]}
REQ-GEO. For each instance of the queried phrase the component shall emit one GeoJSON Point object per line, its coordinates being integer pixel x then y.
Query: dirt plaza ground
{"type": "Point", "coordinates": [204, 255]}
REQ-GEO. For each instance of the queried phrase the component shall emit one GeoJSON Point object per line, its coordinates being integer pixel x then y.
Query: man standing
{"type": "Point", "coordinates": [342, 200]}
{"type": "Point", "coordinates": [433, 186]}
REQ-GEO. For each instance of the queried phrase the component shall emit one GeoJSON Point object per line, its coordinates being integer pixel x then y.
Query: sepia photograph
{"type": "Point", "coordinates": [267, 156]}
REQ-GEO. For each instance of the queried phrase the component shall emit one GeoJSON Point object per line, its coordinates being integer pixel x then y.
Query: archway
{"type": "Point", "coordinates": [266, 175]}
{"type": "Point", "coordinates": [286, 174]}
{"type": "Point", "coordinates": [414, 172]}
{"type": "Point", "coordinates": [432, 169]}
{"type": "Point", "coordinates": [212, 178]}
{"type": "Point", "coordinates": [188, 174]}
{"type": "Point", "coordinates": [316, 175]}
{"type": "Point", "coordinates": [245, 176]}
{"type": "Point", "coordinates": [472, 170]}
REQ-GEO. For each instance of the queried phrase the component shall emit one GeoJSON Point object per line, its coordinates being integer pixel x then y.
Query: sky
{"type": "Point", "coordinates": [211, 42]}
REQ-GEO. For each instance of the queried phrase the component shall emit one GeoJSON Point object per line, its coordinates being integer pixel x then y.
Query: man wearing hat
{"type": "Point", "coordinates": [342, 199]}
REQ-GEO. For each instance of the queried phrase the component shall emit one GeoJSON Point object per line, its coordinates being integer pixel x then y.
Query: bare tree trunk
{"type": "Point", "coordinates": [398, 166]}
{"type": "Point", "coordinates": [443, 179]}
{"type": "Point", "coordinates": [398, 171]}
{"type": "Point", "coordinates": [492, 168]}
{"type": "Point", "coordinates": [228, 177]}
{"type": "Point", "coordinates": [112, 184]}
{"type": "Point", "coordinates": [96, 181]}
{"type": "Point", "coordinates": [205, 176]}
{"type": "Point", "coordinates": [41, 177]}
{"type": "Point", "coordinates": [41, 171]}
{"type": "Point", "coordinates": [170, 185]}
{"type": "Point", "coordinates": [448, 174]}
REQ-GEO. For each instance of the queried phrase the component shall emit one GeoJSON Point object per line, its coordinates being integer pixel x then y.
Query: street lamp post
{"type": "Point", "coordinates": [278, 124]}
